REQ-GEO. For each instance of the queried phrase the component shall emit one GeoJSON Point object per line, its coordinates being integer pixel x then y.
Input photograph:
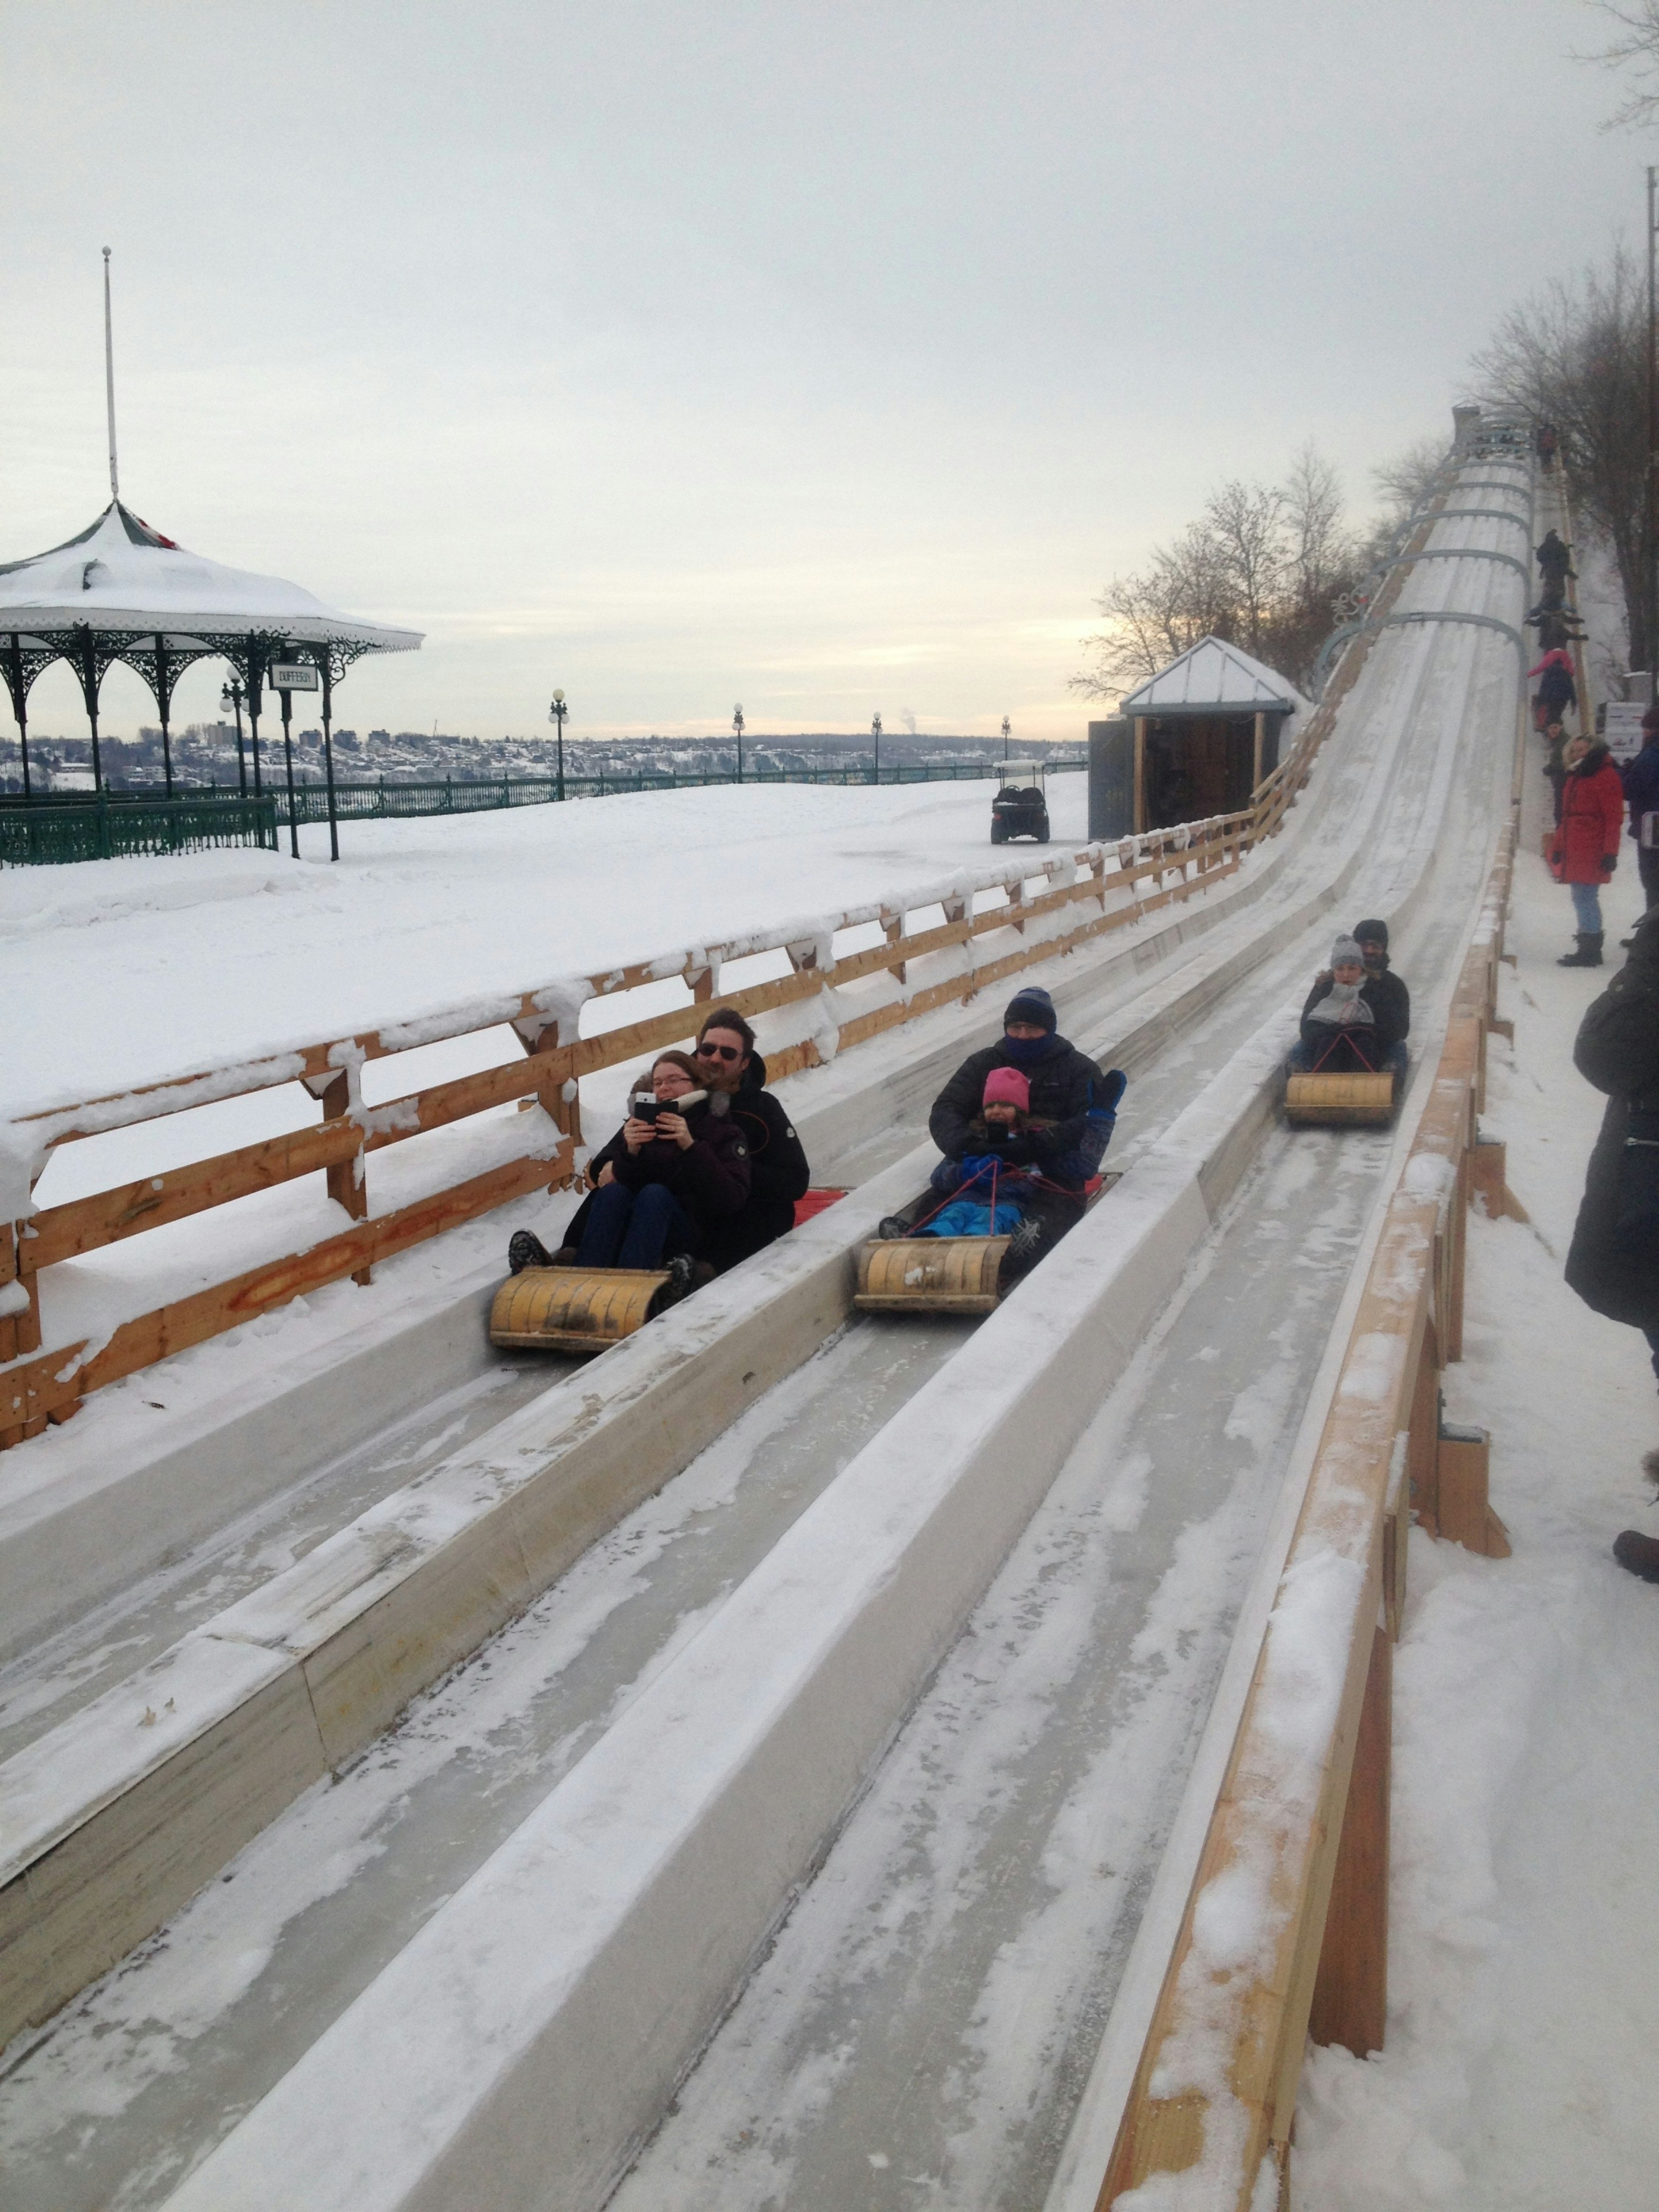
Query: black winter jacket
{"type": "Point", "coordinates": [1614, 1259]}
{"type": "Point", "coordinates": [710, 1177]}
{"type": "Point", "coordinates": [1385, 994]}
{"type": "Point", "coordinates": [1064, 1082]}
{"type": "Point", "coordinates": [1556, 690]}
{"type": "Point", "coordinates": [778, 1175]}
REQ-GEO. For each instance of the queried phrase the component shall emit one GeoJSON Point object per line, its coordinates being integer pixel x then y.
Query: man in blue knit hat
{"type": "Point", "coordinates": [1074, 1109]}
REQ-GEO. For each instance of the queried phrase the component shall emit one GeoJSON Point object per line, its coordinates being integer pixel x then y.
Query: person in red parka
{"type": "Point", "coordinates": [1585, 849]}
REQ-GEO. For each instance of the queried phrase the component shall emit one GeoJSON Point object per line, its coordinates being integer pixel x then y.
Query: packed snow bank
{"type": "Point", "coordinates": [1523, 2012]}
{"type": "Point", "coordinates": [214, 958]}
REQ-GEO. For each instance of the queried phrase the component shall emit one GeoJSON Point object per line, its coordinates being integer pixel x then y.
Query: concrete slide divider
{"type": "Point", "coordinates": [531, 2034]}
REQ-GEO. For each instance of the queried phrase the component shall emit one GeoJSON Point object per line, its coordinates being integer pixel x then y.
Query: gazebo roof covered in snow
{"type": "Point", "coordinates": [1212, 680]}
{"type": "Point", "coordinates": [118, 575]}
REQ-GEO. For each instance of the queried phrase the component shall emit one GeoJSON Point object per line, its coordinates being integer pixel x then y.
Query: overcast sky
{"type": "Point", "coordinates": [827, 357]}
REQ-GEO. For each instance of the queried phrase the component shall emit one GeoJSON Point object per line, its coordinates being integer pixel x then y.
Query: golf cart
{"type": "Point", "coordinates": [1019, 809]}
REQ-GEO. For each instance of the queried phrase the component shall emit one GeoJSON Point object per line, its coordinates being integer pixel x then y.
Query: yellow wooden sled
{"type": "Point", "coordinates": [930, 1275]}
{"type": "Point", "coordinates": [573, 1308]}
{"type": "Point", "coordinates": [1318, 1101]}
{"type": "Point", "coordinates": [941, 1275]}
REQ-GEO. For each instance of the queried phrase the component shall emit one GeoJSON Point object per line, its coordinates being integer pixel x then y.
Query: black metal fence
{"type": "Point", "coordinates": [383, 801]}
{"type": "Point", "coordinates": [52, 826]}
{"type": "Point", "coordinates": [63, 826]}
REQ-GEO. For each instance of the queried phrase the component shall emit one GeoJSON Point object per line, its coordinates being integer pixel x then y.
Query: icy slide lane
{"type": "Point", "coordinates": [127, 2085]}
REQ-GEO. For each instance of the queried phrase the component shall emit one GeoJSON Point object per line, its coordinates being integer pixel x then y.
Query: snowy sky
{"type": "Point", "coordinates": [827, 357]}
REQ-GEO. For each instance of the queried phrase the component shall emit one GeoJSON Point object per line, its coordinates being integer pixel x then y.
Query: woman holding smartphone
{"type": "Point", "coordinates": [676, 1169]}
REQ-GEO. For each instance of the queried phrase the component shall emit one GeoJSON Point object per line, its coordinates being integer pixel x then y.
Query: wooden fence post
{"type": "Point", "coordinates": [1350, 1993]}
{"type": "Point", "coordinates": [20, 1333]}
{"type": "Point", "coordinates": [347, 1180]}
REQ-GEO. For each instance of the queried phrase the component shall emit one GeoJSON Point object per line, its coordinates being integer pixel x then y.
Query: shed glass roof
{"type": "Point", "coordinates": [1215, 678]}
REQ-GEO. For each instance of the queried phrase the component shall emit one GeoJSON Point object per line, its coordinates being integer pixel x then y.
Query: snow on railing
{"type": "Point", "coordinates": [913, 965]}
{"type": "Point", "coordinates": [1284, 1934]}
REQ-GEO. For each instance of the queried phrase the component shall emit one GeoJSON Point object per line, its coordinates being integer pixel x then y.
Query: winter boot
{"type": "Point", "coordinates": [892, 1228]}
{"type": "Point", "coordinates": [1024, 1250]}
{"type": "Point", "coordinates": [679, 1285]}
{"type": "Point", "coordinates": [1588, 954]}
{"type": "Point", "coordinates": [1638, 1554]}
{"type": "Point", "coordinates": [524, 1249]}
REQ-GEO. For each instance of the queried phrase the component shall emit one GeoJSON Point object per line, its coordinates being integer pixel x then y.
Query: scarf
{"type": "Point", "coordinates": [1344, 1005]}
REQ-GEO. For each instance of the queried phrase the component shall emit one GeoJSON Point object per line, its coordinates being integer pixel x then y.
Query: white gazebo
{"type": "Point", "coordinates": [122, 592]}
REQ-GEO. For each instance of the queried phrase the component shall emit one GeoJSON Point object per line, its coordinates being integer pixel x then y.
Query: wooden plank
{"type": "Point", "coordinates": [50, 1379]}
{"type": "Point", "coordinates": [1351, 1995]}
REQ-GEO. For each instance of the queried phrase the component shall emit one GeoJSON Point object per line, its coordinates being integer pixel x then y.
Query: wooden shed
{"type": "Point", "coordinates": [1193, 741]}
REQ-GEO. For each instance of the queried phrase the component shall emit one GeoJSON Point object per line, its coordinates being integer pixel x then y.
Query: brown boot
{"type": "Point", "coordinates": [1637, 1554]}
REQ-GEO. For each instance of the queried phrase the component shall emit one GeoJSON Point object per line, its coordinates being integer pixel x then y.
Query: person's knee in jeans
{"type": "Point", "coordinates": [1587, 907]}
{"type": "Point", "coordinates": [1301, 1059]}
{"type": "Point", "coordinates": [657, 1229]}
{"type": "Point", "coordinates": [607, 1223]}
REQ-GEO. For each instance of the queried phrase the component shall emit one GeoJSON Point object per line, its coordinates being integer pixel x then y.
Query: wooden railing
{"type": "Point", "coordinates": [1284, 1933]}
{"type": "Point", "coordinates": [1104, 887]}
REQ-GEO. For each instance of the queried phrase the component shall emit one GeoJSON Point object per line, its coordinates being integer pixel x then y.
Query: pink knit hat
{"type": "Point", "coordinates": [1007, 1087]}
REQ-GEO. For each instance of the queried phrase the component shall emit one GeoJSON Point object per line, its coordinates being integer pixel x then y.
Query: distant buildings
{"type": "Point", "coordinates": [204, 753]}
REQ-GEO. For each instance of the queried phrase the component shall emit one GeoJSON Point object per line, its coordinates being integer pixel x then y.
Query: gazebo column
{"type": "Point", "coordinates": [1141, 774]}
{"type": "Point", "coordinates": [19, 677]}
{"type": "Point", "coordinates": [325, 667]}
{"type": "Point", "coordinates": [164, 673]}
{"type": "Point", "coordinates": [89, 653]}
{"type": "Point", "coordinates": [1261, 748]}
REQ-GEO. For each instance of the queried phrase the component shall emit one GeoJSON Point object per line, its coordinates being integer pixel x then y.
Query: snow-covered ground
{"type": "Point", "coordinates": [1523, 2011]}
{"type": "Point", "coordinates": [106, 973]}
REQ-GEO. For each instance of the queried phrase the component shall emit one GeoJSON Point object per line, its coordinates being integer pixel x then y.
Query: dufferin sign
{"type": "Point", "coordinates": [292, 676]}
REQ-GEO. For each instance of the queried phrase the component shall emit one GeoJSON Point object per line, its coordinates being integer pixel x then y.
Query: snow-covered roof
{"type": "Point", "coordinates": [120, 574]}
{"type": "Point", "coordinates": [1216, 678]}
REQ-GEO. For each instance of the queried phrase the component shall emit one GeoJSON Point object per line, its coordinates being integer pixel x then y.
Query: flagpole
{"type": "Point", "coordinates": [109, 380]}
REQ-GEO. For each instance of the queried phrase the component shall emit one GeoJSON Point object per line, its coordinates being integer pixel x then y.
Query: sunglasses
{"type": "Point", "coordinates": [720, 1052]}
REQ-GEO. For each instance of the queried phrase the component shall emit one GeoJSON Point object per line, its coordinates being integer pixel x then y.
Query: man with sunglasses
{"type": "Point", "coordinates": [779, 1175]}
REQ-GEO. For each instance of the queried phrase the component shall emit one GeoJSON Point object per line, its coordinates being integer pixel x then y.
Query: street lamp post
{"type": "Point", "coordinates": [875, 733]}
{"type": "Point", "coordinates": [555, 714]}
{"type": "Point", "coordinates": [737, 724]}
{"type": "Point", "coordinates": [231, 697]}
{"type": "Point", "coordinates": [1006, 733]}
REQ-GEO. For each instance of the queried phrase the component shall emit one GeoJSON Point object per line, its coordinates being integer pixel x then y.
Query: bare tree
{"type": "Point", "coordinates": [1319, 545]}
{"type": "Point", "coordinates": [1576, 357]}
{"type": "Point", "coordinates": [1637, 46]}
{"type": "Point", "coordinates": [1157, 616]}
{"type": "Point", "coordinates": [1245, 522]}
{"type": "Point", "coordinates": [1263, 567]}
{"type": "Point", "coordinates": [1405, 481]}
